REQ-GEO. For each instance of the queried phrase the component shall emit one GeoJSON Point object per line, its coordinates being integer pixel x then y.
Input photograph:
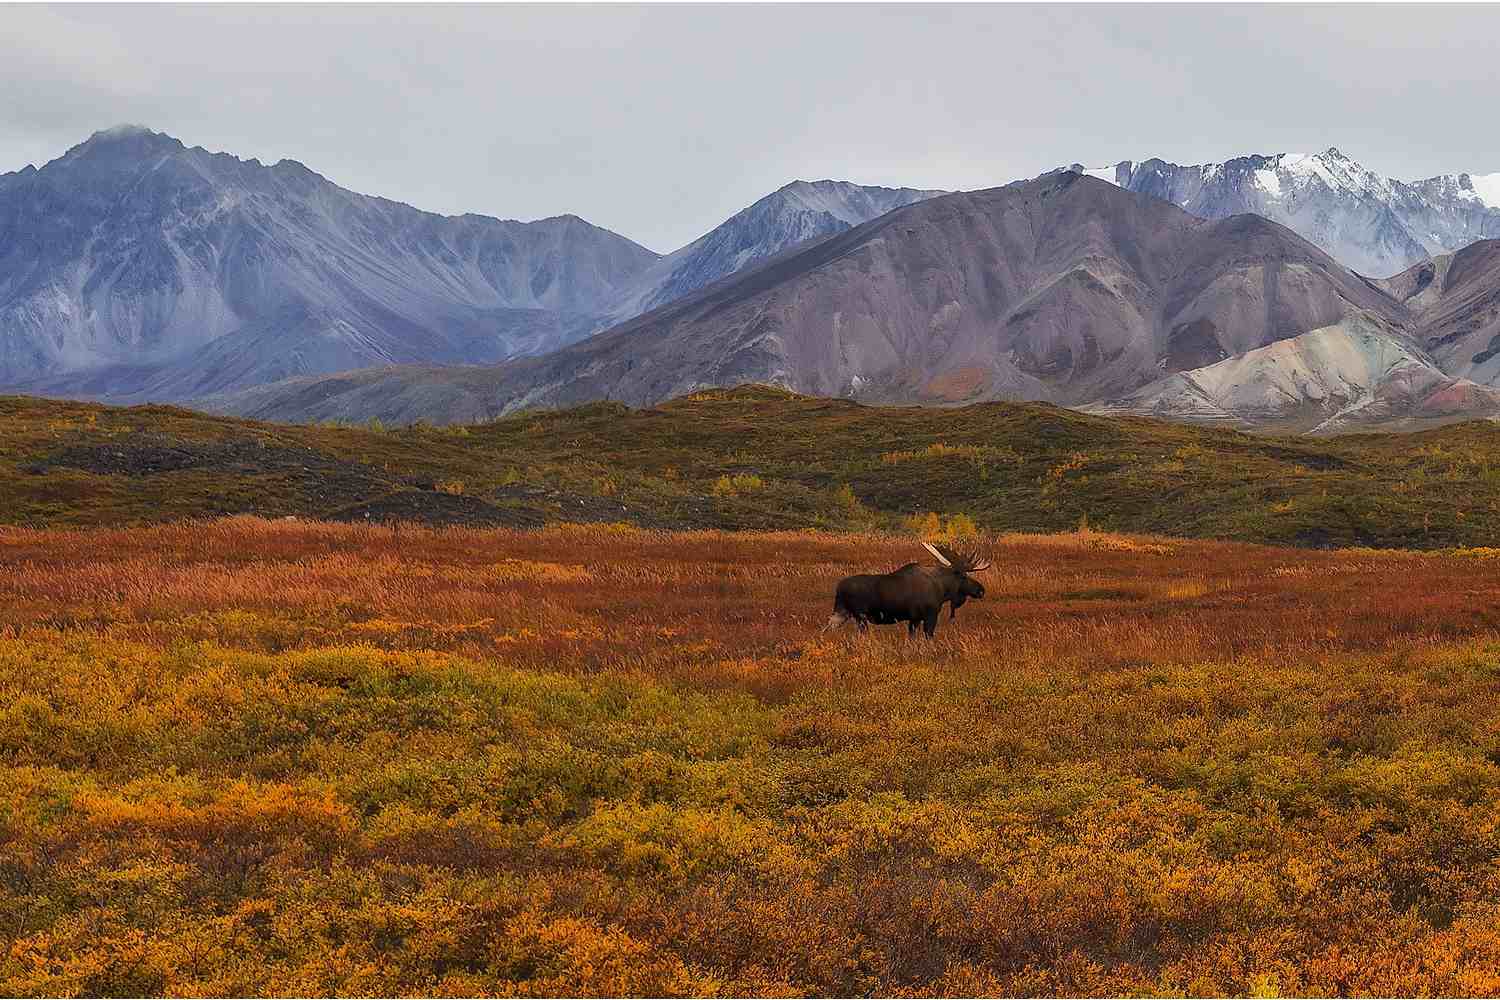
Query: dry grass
{"type": "Point", "coordinates": [256, 757]}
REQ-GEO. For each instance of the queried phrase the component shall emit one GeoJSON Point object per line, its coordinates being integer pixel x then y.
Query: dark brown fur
{"type": "Point", "coordinates": [914, 594]}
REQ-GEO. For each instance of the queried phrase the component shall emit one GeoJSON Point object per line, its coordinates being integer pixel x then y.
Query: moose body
{"type": "Point", "coordinates": [914, 594]}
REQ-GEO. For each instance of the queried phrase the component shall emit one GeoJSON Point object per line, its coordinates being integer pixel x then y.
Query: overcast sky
{"type": "Point", "coordinates": [659, 122]}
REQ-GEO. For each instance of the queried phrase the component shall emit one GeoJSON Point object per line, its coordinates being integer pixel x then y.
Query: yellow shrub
{"type": "Point", "coordinates": [737, 485]}
{"type": "Point", "coordinates": [927, 525]}
{"type": "Point", "coordinates": [960, 527]}
{"type": "Point", "coordinates": [934, 527]}
{"type": "Point", "coordinates": [265, 758]}
{"type": "Point", "coordinates": [938, 450]}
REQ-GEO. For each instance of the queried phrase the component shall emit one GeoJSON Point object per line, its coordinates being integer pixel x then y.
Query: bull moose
{"type": "Point", "coordinates": [912, 594]}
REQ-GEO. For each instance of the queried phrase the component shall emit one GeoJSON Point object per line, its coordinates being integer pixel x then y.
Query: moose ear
{"type": "Point", "coordinates": [936, 554]}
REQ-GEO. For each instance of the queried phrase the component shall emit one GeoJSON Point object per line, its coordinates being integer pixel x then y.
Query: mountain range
{"type": "Point", "coordinates": [1064, 289]}
{"type": "Point", "coordinates": [134, 267]}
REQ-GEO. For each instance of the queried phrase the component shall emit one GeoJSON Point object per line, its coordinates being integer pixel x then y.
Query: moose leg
{"type": "Point", "coordinates": [911, 628]}
{"type": "Point", "coordinates": [929, 625]}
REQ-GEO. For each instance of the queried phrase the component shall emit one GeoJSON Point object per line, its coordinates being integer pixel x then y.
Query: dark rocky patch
{"type": "Point", "coordinates": [152, 454]}
{"type": "Point", "coordinates": [437, 510]}
{"type": "Point", "coordinates": [580, 508]}
{"type": "Point", "coordinates": [1194, 345]}
{"type": "Point", "coordinates": [1489, 352]}
{"type": "Point", "coordinates": [1307, 460]}
{"type": "Point", "coordinates": [318, 481]}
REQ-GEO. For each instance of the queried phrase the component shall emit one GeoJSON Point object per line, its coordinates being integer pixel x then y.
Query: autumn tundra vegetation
{"type": "Point", "coordinates": [245, 756]}
{"type": "Point", "coordinates": [539, 723]}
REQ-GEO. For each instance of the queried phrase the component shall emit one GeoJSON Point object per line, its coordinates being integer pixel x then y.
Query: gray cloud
{"type": "Point", "coordinates": [657, 122]}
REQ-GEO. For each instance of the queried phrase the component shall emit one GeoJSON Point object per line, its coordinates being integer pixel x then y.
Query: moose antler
{"type": "Point", "coordinates": [969, 559]}
{"type": "Point", "coordinates": [940, 553]}
{"type": "Point", "coordinates": [976, 558]}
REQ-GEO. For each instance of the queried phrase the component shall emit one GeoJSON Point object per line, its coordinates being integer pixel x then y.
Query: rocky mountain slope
{"type": "Point", "coordinates": [135, 268]}
{"type": "Point", "coordinates": [1373, 224]}
{"type": "Point", "coordinates": [1455, 302]}
{"type": "Point", "coordinates": [171, 270]}
{"type": "Point", "coordinates": [1348, 376]}
{"type": "Point", "coordinates": [1445, 366]}
{"type": "Point", "coordinates": [1062, 289]}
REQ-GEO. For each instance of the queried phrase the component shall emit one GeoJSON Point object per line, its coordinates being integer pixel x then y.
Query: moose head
{"type": "Point", "coordinates": [962, 564]}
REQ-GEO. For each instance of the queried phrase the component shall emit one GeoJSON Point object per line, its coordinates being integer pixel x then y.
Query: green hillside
{"type": "Point", "coordinates": [758, 458]}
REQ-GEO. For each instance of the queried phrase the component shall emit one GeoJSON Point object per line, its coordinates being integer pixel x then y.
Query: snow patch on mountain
{"type": "Point", "coordinates": [1269, 182]}
{"type": "Point", "coordinates": [1486, 188]}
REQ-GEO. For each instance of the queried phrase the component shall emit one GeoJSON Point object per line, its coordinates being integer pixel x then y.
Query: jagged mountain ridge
{"type": "Point", "coordinates": [1062, 289]}
{"type": "Point", "coordinates": [135, 250]}
{"type": "Point", "coordinates": [306, 322]}
{"type": "Point", "coordinates": [1372, 224]}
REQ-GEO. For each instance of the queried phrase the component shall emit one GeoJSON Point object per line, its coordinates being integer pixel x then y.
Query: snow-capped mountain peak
{"type": "Point", "coordinates": [1371, 223]}
{"type": "Point", "coordinates": [123, 130]}
{"type": "Point", "coordinates": [1486, 188]}
{"type": "Point", "coordinates": [1336, 171]}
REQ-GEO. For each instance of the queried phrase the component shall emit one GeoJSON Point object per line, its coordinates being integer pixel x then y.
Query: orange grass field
{"type": "Point", "coordinates": [256, 757]}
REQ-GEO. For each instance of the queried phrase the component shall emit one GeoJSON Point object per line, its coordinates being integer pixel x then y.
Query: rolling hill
{"type": "Point", "coordinates": [755, 457]}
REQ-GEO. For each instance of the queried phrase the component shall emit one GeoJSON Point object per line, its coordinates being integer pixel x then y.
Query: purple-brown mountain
{"type": "Point", "coordinates": [1065, 288]}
